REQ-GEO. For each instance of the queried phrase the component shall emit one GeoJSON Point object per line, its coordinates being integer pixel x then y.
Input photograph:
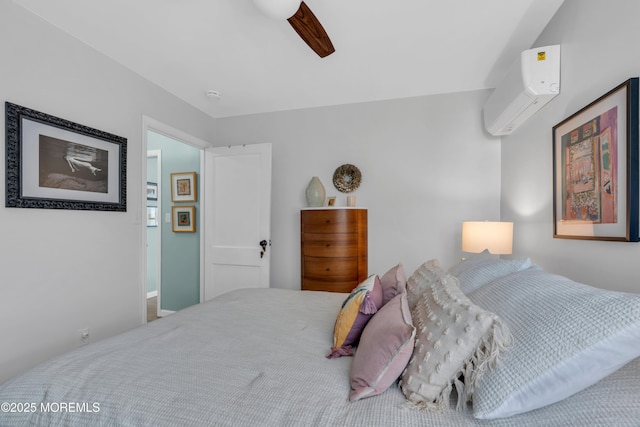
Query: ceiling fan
{"type": "Point", "coordinates": [302, 20]}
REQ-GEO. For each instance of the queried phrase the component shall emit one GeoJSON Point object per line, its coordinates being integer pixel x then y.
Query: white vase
{"type": "Point", "coordinates": [315, 193]}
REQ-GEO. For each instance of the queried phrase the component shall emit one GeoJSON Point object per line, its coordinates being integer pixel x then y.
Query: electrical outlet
{"type": "Point", "coordinates": [84, 336]}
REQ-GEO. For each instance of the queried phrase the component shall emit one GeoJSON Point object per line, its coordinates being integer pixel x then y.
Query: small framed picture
{"type": "Point", "coordinates": [152, 216]}
{"type": "Point", "coordinates": [331, 201]}
{"type": "Point", "coordinates": [183, 219]}
{"type": "Point", "coordinates": [184, 187]}
{"type": "Point", "coordinates": [152, 191]}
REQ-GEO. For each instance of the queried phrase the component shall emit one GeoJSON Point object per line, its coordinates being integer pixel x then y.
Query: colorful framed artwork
{"type": "Point", "coordinates": [183, 219]}
{"type": "Point", "coordinates": [184, 187]}
{"type": "Point", "coordinates": [52, 163]}
{"type": "Point", "coordinates": [595, 169]}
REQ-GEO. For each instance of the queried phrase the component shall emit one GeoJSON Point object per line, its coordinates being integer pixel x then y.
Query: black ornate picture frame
{"type": "Point", "coordinates": [52, 163]}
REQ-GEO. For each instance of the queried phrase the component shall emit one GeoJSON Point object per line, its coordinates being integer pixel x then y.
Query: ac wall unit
{"type": "Point", "coordinates": [531, 82]}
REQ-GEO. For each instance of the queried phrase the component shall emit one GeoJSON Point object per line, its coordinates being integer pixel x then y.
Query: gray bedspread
{"type": "Point", "coordinates": [253, 357]}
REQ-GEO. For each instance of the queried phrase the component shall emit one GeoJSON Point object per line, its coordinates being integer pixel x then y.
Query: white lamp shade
{"type": "Point", "coordinates": [497, 237]}
{"type": "Point", "coordinates": [278, 9]}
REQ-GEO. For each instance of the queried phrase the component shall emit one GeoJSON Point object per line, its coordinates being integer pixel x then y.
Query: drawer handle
{"type": "Point", "coordinates": [328, 245]}
{"type": "Point", "coordinates": [327, 269]}
{"type": "Point", "coordinates": [328, 221]}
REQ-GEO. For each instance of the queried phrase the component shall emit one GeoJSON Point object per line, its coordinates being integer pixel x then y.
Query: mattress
{"type": "Point", "coordinates": [253, 357]}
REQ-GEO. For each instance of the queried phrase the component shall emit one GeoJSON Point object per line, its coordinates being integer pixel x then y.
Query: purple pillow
{"type": "Point", "coordinates": [361, 304]}
{"type": "Point", "coordinates": [385, 348]}
{"type": "Point", "coordinates": [394, 282]}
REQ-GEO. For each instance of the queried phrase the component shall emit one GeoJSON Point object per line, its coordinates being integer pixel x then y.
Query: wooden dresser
{"type": "Point", "coordinates": [333, 248]}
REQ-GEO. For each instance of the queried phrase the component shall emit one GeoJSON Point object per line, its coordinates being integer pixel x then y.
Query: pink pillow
{"type": "Point", "coordinates": [394, 282]}
{"type": "Point", "coordinates": [385, 347]}
{"type": "Point", "coordinates": [361, 304]}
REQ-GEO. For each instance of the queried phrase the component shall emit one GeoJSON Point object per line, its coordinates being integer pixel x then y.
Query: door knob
{"type": "Point", "coordinates": [263, 243]}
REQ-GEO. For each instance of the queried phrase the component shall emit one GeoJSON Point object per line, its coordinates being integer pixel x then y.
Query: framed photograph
{"type": "Point", "coordinates": [331, 201]}
{"type": "Point", "coordinates": [52, 163]}
{"type": "Point", "coordinates": [152, 191]}
{"type": "Point", "coordinates": [595, 169]}
{"type": "Point", "coordinates": [183, 219]}
{"type": "Point", "coordinates": [152, 216]}
{"type": "Point", "coordinates": [183, 187]}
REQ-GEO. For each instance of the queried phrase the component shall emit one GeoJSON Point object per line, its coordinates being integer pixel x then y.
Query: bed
{"type": "Point", "coordinates": [258, 357]}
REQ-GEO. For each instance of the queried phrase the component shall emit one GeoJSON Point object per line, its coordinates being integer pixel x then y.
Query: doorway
{"type": "Point", "coordinates": [172, 259]}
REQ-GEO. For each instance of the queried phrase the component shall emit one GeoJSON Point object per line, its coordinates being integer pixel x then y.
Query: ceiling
{"type": "Point", "coordinates": [384, 49]}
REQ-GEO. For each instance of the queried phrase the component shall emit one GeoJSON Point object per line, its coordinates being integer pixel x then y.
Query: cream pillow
{"type": "Point", "coordinates": [454, 338]}
{"type": "Point", "coordinates": [422, 279]}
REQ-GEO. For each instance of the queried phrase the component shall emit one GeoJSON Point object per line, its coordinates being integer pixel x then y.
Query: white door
{"type": "Point", "coordinates": [237, 218]}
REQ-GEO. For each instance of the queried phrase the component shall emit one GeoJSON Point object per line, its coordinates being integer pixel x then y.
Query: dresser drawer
{"type": "Point", "coordinates": [329, 221]}
{"type": "Point", "coordinates": [329, 245]}
{"type": "Point", "coordinates": [340, 269]}
{"type": "Point", "coordinates": [332, 286]}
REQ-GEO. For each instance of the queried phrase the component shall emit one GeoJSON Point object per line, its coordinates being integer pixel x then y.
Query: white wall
{"type": "Point", "coordinates": [599, 46]}
{"type": "Point", "coordinates": [65, 270]}
{"type": "Point", "coordinates": [426, 163]}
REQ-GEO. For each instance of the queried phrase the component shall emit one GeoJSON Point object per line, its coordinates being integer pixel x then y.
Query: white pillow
{"type": "Point", "coordinates": [484, 268]}
{"type": "Point", "coordinates": [454, 337]}
{"type": "Point", "coordinates": [422, 279]}
{"type": "Point", "coordinates": [566, 337]}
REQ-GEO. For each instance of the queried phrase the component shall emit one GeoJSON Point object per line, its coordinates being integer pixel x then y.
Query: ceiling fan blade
{"type": "Point", "coordinates": [309, 28]}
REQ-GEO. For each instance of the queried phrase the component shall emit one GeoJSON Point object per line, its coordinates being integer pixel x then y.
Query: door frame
{"type": "Point", "coordinates": [150, 124]}
{"type": "Point", "coordinates": [157, 155]}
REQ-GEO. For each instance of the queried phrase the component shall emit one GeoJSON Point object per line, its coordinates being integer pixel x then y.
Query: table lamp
{"type": "Point", "coordinates": [495, 236]}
